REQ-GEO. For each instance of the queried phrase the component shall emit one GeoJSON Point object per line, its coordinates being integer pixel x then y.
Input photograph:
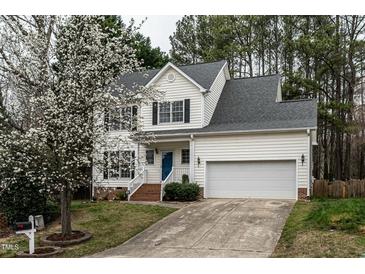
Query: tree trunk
{"type": "Point", "coordinates": [66, 211]}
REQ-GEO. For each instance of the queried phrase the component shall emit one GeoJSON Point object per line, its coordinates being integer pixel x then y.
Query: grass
{"type": "Point", "coordinates": [111, 224]}
{"type": "Point", "coordinates": [324, 228]}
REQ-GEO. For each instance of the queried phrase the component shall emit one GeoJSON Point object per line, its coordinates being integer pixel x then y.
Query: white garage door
{"type": "Point", "coordinates": [256, 179]}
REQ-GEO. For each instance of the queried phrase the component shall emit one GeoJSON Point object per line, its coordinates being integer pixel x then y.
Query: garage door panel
{"type": "Point", "coordinates": [259, 179]}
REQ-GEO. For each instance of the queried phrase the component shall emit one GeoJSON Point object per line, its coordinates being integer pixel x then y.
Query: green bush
{"type": "Point", "coordinates": [185, 179]}
{"type": "Point", "coordinates": [122, 195]}
{"type": "Point", "coordinates": [23, 198]}
{"type": "Point", "coordinates": [181, 192]}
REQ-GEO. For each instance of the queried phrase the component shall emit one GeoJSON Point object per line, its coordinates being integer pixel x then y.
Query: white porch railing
{"type": "Point", "coordinates": [175, 175]}
{"type": "Point", "coordinates": [137, 182]}
{"type": "Point", "coordinates": [179, 172]}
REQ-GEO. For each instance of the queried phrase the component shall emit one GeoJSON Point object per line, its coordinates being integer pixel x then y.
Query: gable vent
{"type": "Point", "coordinates": [171, 77]}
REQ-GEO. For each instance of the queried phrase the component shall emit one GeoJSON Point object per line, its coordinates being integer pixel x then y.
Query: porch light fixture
{"type": "Point", "coordinates": [156, 150]}
{"type": "Point", "coordinates": [198, 161]}
{"type": "Point", "coordinates": [302, 159]}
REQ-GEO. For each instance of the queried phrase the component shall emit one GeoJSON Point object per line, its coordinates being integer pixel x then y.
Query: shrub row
{"type": "Point", "coordinates": [181, 192]}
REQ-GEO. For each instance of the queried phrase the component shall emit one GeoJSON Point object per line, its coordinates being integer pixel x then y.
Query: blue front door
{"type": "Point", "coordinates": [166, 164]}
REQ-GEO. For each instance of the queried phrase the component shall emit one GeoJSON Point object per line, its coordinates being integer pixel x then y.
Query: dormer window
{"type": "Point", "coordinates": [171, 112]}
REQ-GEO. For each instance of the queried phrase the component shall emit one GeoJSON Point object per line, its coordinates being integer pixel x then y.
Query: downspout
{"type": "Point", "coordinates": [309, 162]}
{"type": "Point", "coordinates": [192, 158]}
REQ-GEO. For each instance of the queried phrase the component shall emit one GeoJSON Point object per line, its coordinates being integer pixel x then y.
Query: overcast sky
{"type": "Point", "coordinates": [157, 27]}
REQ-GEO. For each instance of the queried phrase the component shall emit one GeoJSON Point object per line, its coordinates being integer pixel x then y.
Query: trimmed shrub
{"type": "Point", "coordinates": [181, 192]}
{"type": "Point", "coordinates": [185, 179]}
{"type": "Point", "coordinates": [122, 195]}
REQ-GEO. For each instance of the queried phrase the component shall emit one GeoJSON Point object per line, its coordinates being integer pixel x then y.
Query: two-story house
{"type": "Point", "coordinates": [235, 138]}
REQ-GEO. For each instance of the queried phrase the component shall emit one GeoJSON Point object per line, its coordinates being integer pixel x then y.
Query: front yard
{"type": "Point", "coordinates": [324, 228]}
{"type": "Point", "coordinates": [111, 224]}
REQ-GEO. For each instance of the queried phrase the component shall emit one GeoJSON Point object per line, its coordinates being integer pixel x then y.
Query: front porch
{"type": "Point", "coordinates": [167, 159]}
{"type": "Point", "coordinates": [163, 162]}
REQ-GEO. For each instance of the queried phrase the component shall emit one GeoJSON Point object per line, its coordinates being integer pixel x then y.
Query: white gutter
{"type": "Point", "coordinates": [236, 131]}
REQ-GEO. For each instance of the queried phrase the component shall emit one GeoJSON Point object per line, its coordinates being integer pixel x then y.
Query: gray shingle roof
{"type": "Point", "coordinates": [204, 74]}
{"type": "Point", "coordinates": [249, 104]}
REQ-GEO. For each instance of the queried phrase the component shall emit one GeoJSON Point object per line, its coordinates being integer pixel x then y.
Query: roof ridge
{"type": "Point", "coordinates": [201, 63]}
{"type": "Point", "coordinates": [253, 77]}
{"type": "Point", "coordinates": [145, 70]}
{"type": "Point", "coordinates": [297, 100]}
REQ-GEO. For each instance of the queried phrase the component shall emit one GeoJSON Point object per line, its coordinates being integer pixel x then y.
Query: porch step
{"type": "Point", "coordinates": [147, 192]}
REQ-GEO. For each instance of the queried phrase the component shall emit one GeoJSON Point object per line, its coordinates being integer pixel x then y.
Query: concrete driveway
{"type": "Point", "coordinates": [211, 228]}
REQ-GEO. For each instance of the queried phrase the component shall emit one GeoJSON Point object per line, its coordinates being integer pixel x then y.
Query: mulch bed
{"type": "Point", "coordinates": [4, 234]}
{"type": "Point", "coordinates": [58, 236]}
{"type": "Point", "coordinates": [41, 252]}
{"type": "Point", "coordinates": [56, 239]}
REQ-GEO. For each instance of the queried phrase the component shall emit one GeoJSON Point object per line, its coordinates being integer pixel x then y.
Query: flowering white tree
{"type": "Point", "coordinates": [62, 71]}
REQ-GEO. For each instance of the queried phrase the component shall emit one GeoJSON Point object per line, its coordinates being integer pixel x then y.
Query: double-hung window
{"type": "Point", "coordinates": [114, 118]}
{"type": "Point", "coordinates": [126, 164]}
{"type": "Point", "coordinates": [171, 112]}
{"type": "Point", "coordinates": [118, 118]}
{"type": "Point", "coordinates": [165, 112]}
{"type": "Point", "coordinates": [185, 156]}
{"type": "Point", "coordinates": [177, 111]}
{"type": "Point", "coordinates": [125, 117]}
{"type": "Point", "coordinates": [150, 156]}
{"type": "Point", "coordinates": [118, 164]}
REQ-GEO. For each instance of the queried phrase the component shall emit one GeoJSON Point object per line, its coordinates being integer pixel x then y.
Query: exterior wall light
{"type": "Point", "coordinates": [302, 158]}
{"type": "Point", "coordinates": [156, 150]}
{"type": "Point", "coordinates": [198, 161]}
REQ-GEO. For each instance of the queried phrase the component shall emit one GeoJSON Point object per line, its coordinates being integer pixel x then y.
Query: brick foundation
{"type": "Point", "coordinates": [108, 193]}
{"type": "Point", "coordinates": [147, 192]}
{"type": "Point", "coordinates": [302, 193]}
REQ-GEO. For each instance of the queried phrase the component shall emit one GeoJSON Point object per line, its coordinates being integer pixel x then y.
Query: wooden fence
{"type": "Point", "coordinates": [339, 189]}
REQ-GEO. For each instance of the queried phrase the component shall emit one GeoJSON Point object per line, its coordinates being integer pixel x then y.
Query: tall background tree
{"type": "Point", "coordinates": [318, 57]}
{"type": "Point", "coordinates": [149, 56]}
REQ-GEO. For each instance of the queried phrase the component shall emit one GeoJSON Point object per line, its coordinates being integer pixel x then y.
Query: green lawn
{"type": "Point", "coordinates": [324, 228]}
{"type": "Point", "coordinates": [111, 224]}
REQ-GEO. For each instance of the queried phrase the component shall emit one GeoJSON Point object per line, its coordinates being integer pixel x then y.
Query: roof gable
{"type": "Point", "coordinates": [202, 74]}
{"type": "Point", "coordinates": [166, 68]}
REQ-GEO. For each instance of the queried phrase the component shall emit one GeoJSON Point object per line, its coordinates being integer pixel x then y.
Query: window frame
{"type": "Point", "coordinates": [182, 156]}
{"type": "Point", "coordinates": [153, 157]}
{"type": "Point", "coordinates": [159, 112]}
{"type": "Point", "coordinates": [122, 111]}
{"type": "Point", "coordinates": [109, 165]}
{"type": "Point", "coordinates": [171, 112]}
{"type": "Point", "coordinates": [114, 167]}
{"type": "Point", "coordinates": [128, 170]}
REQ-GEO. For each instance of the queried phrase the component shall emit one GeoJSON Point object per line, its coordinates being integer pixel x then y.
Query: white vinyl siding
{"type": "Point", "coordinates": [154, 171]}
{"type": "Point", "coordinates": [252, 147]}
{"type": "Point", "coordinates": [212, 97]}
{"type": "Point", "coordinates": [178, 90]}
